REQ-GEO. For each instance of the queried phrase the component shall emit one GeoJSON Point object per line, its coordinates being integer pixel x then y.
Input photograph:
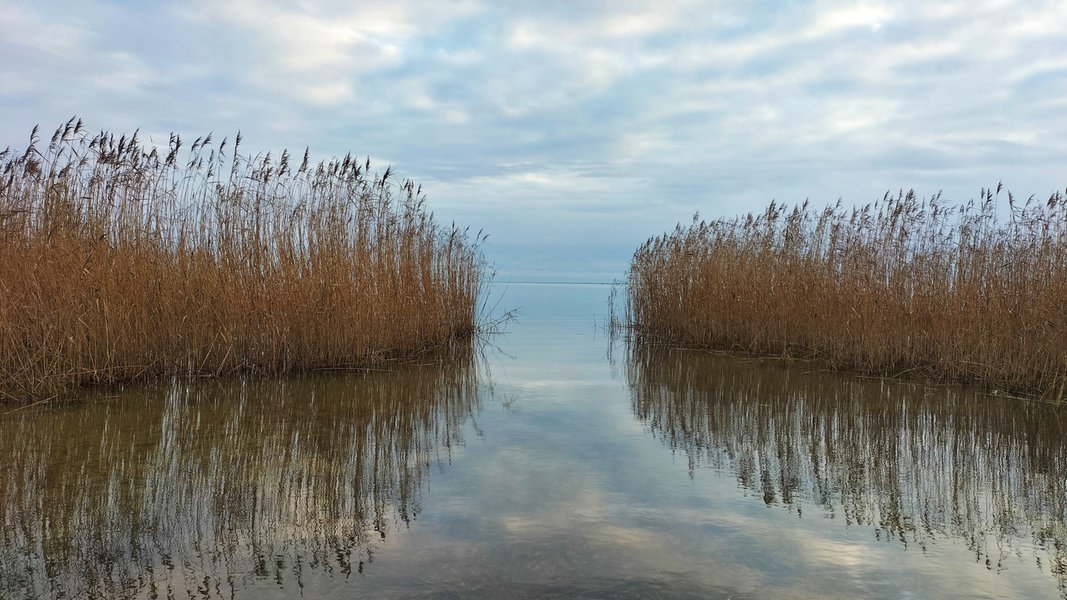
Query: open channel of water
{"type": "Point", "coordinates": [555, 462]}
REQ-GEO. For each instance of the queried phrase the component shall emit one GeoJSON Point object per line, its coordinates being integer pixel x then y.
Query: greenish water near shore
{"type": "Point", "coordinates": [556, 461]}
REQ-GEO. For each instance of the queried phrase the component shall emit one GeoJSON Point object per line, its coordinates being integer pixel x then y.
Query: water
{"type": "Point", "coordinates": [556, 462]}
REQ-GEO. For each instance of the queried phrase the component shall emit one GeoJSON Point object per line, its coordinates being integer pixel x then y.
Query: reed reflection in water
{"type": "Point", "coordinates": [918, 464]}
{"type": "Point", "coordinates": [202, 490]}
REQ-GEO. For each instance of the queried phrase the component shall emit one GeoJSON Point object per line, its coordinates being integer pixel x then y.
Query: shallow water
{"type": "Point", "coordinates": [555, 462]}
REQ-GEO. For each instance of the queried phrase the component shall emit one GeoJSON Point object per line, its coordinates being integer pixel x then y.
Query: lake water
{"type": "Point", "coordinates": [555, 462]}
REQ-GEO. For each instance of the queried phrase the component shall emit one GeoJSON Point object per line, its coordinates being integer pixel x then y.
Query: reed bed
{"type": "Point", "coordinates": [900, 287]}
{"type": "Point", "coordinates": [120, 261]}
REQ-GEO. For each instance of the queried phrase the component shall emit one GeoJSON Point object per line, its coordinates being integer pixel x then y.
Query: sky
{"type": "Point", "coordinates": [572, 131]}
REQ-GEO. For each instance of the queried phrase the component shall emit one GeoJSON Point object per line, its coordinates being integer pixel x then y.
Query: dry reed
{"type": "Point", "coordinates": [120, 261]}
{"type": "Point", "coordinates": [900, 287]}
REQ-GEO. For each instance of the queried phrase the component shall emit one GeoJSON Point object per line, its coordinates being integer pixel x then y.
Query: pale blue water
{"type": "Point", "coordinates": [564, 464]}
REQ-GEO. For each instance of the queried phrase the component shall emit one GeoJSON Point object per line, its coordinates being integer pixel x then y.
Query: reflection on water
{"type": "Point", "coordinates": [758, 481]}
{"type": "Point", "coordinates": [916, 463]}
{"type": "Point", "coordinates": [199, 491]}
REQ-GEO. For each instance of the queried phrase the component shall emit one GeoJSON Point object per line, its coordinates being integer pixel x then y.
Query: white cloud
{"type": "Point", "coordinates": [865, 15]}
{"type": "Point", "coordinates": [23, 27]}
{"type": "Point", "coordinates": [687, 105]}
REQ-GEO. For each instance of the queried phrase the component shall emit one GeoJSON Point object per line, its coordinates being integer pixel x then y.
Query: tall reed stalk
{"type": "Point", "coordinates": [121, 261]}
{"type": "Point", "coordinates": [902, 286]}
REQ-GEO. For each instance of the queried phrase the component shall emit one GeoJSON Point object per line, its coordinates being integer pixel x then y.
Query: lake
{"type": "Point", "coordinates": [552, 461]}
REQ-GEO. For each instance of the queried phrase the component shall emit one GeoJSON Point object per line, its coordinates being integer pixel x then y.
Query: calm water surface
{"type": "Point", "coordinates": [555, 462]}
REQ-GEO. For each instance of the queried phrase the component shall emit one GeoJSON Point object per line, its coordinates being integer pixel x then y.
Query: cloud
{"type": "Point", "coordinates": [20, 27]}
{"type": "Point", "coordinates": [572, 108]}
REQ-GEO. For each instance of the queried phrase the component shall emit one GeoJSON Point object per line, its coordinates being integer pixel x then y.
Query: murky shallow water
{"type": "Point", "coordinates": [560, 465]}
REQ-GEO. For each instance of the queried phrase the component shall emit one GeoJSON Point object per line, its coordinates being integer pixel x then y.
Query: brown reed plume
{"type": "Point", "coordinates": [120, 261]}
{"type": "Point", "coordinates": [900, 287]}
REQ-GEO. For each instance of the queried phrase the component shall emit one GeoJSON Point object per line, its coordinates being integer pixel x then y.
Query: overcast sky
{"type": "Point", "coordinates": [572, 131]}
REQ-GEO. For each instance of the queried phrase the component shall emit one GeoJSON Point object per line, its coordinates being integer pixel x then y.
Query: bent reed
{"type": "Point", "coordinates": [120, 261]}
{"type": "Point", "coordinates": [899, 287]}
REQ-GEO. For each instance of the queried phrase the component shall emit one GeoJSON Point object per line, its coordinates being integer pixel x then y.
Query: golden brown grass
{"type": "Point", "coordinates": [121, 262]}
{"type": "Point", "coordinates": [900, 287]}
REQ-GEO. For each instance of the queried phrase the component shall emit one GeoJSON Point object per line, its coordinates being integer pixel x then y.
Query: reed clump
{"type": "Point", "coordinates": [900, 287]}
{"type": "Point", "coordinates": [120, 261]}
